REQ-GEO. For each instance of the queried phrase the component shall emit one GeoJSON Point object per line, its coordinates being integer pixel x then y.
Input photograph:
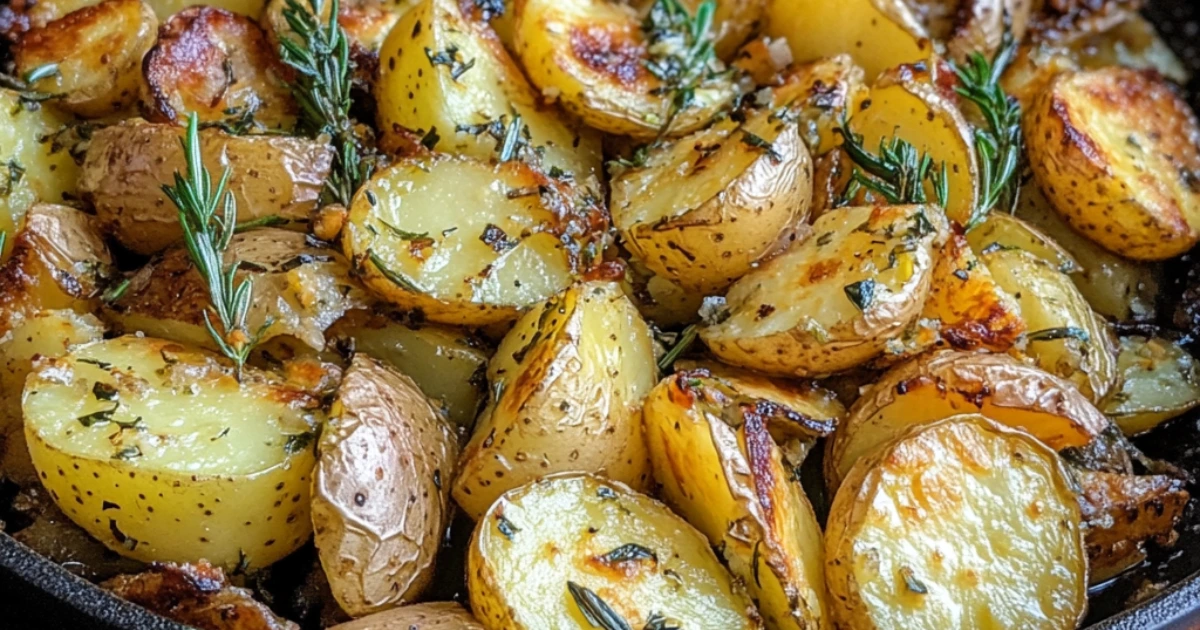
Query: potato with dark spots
{"type": "Point", "coordinates": [428, 616]}
{"type": "Point", "coordinates": [1117, 153]}
{"type": "Point", "coordinates": [1122, 513]}
{"type": "Point", "coordinates": [1159, 380]}
{"type": "Point", "coordinates": [821, 93]}
{"type": "Point", "coordinates": [971, 310]}
{"type": "Point", "coordinates": [98, 51]}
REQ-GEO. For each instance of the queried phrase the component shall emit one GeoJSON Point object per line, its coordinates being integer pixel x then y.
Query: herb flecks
{"type": "Point", "coordinates": [861, 293]}
{"type": "Point", "coordinates": [449, 58]}
{"type": "Point", "coordinates": [595, 610]}
{"type": "Point", "coordinates": [1054, 334]}
{"type": "Point", "coordinates": [30, 98]}
{"type": "Point", "coordinates": [911, 582]}
{"type": "Point", "coordinates": [512, 137]}
{"type": "Point", "coordinates": [297, 442]}
{"type": "Point", "coordinates": [681, 52]}
{"type": "Point", "coordinates": [759, 143]}
{"type": "Point", "coordinates": [630, 552]}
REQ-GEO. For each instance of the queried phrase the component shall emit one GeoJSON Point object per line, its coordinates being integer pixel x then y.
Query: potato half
{"type": "Point", "coordinates": [218, 65]}
{"type": "Point", "coordinates": [616, 553]}
{"type": "Point", "coordinates": [381, 489]}
{"type": "Point", "coordinates": [1115, 150]}
{"type": "Point", "coordinates": [1121, 513]}
{"type": "Point", "coordinates": [719, 468]}
{"type": "Point", "coordinates": [98, 50]}
{"type": "Point", "coordinates": [972, 311]}
{"type": "Point", "coordinates": [943, 384]}
{"type": "Point", "coordinates": [466, 242]}
{"type": "Point", "coordinates": [835, 300]}
{"type": "Point", "coordinates": [1005, 231]}
{"type": "Point", "coordinates": [961, 524]}
{"type": "Point", "coordinates": [161, 454]}
{"type": "Point", "coordinates": [430, 616]}
{"type": "Point", "coordinates": [705, 209]}
{"type": "Point", "coordinates": [1159, 381]}
{"type": "Point", "coordinates": [821, 94]}
{"type": "Point", "coordinates": [567, 385]}
{"type": "Point", "coordinates": [128, 164]}
{"type": "Point", "coordinates": [443, 74]}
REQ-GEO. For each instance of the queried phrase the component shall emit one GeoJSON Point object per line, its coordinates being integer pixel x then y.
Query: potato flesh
{"type": "Point", "coordinates": [561, 529]}
{"type": "Point", "coordinates": [822, 92]}
{"type": "Point", "coordinates": [971, 309]}
{"type": "Point", "coordinates": [958, 525]}
{"type": "Point", "coordinates": [207, 457]}
{"type": "Point", "coordinates": [1159, 381]}
{"type": "Point", "coordinates": [1007, 231]}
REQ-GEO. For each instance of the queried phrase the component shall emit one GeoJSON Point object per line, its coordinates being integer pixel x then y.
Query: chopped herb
{"type": "Point", "coordinates": [392, 275]}
{"type": "Point", "coordinates": [31, 99]}
{"type": "Point", "coordinates": [1054, 334]}
{"type": "Point", "coordinates": [898, 174]}
{"type": "Point", "coordinates": [495, 237]}
{"type": "Point", "coordinates": [921, 226]}
{"type": "Point", "coordinates": [100, 364]}
{"type": "Point", "coordinates": [297, 442]}
{"type": "Point", "coordinates": [220, 435]}
{"type": "Point", "coordinates": [489, 9]}
{"type": "Point", "coordinates": [103, 416]}
{"type": "Point", "coordinates": [128, 453]}
{"type": "Point", "coordinates": [825, 239]}
{"type": "Point", "coordinates": [104, 391]}
{"type": "Point", "coordinates": [638, 160]}
{"type": "Point", "coordinates": [113, 293]}
{"type": "Point", "coordinates": [681, 52]}
{"type": "Point", "coordinates": [596, 610]}
{"type": "Point", "coordinates": [430, 139]}
{"type": "Point", "coordinates": [628, 552]}
{"type": "Point", "coordinates": [272, 220]}
{"type": "Point", "coordinates": [16, 173]}
{"type": "Point", "coordinates": [659, 622]}
{"type": "Point", "coordinates": [449, 58]}
{"type": "Point", "coordinates": [759, 143]}
{"type": "Point", "coordinates": [240, 121]}
{"type": "Point", "coordinates": [962, 274]}
{"type": "Point", "coordinates": [686, 338]}
{"type": "Point", "coordinates": [43, 71]}
{"type": "Point", "coordinates": [911, 582]}
{"type": "Point", "coordinates": [506, 527]}
{"type": "Point", "coordinates": [243, 563]}
{"type": "Point", "coordinates": [861, 293]}
{"type": "Point", "coordinates": [299, 260]}
{"type": "Point", "coordinates": [512, 136]}
{"type": "Point", "coordinates": [606, 493]}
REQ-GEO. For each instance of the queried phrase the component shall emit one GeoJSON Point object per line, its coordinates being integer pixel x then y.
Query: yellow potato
{"type": "Point", "coordinates": [614, 550]}
{"type": "Point", "coordinates": [161, 454]}
{"type": "Point", "coordinates": [567, 386]}
{"type": "Point", "coordinates": [98, 51]}
{"type": "Point", "coordinates": [971, 309]}
{"type": "Point", "coordinates": [960, 524]}
{"type": "Point", "coordinates": [1122, 512]}
{"type": "Point", "coordinates": [659, 300]}
{"type": "Point", "coordinates": [1006, 231]}
{"type": "Point", "coordinates": [429, 616]}
{"type": "Point", "coordinates": [1159, 381]}
{"type": "Point", "coordinates": [821, 93]}
{"type": "Point", "coordinates": [810, 399]}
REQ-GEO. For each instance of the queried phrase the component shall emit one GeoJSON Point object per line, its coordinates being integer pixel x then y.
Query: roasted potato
{"type": "Point", "coordinates": [128, 164]}
{"type": "Point", "coordinates": [704, 210]}
{"type": "Point", "coordinates": [1121, 513]}
{"type": "Point", "coordinates": [1064, 336]}
{"type": "Point", "coordinates": [381, 491]}
{"type": "Point", "coordinates": [970, 308]}
{"type": "Point", "coordinates": [836, 300]}
{"type": "Point", "coordinates": [615, 551]}
{"type": "Point", "coordinates": [1116, 152]}
{"type": "Point", "coordinates": [960, 524]}
{"type": "Point", "coordinates": [942, 384]}
{"type": "Point", "coordinates": [661, 301]}
{"type": "Point", "coordinates": [219, 66]}
{"type": "Point", "coordinates": [98, 51]}
{"type": "Point", "coordinates": [596, 57]}
{"type": "Point", "coordinates": [366, 22]}
{"type": "Point", "coordinates": [430, 616]}
{"type": "Point", "coordinates": [567, 385]}
{"type": "Point", "coordinates": [810, 399]}
{"type": "Point", "coordinates": [445, 77]}
{"type": "Point", "coordinates": [821, 94]}
{"type": "Point", "coordinates": [422, 236]}
{"type": "Point", "coordinates": [1005, 231]}
{"type": "Point", "coordinates": [719, 467]}
{"type": "Point", "coordinates": [52, 535]}
{"type": "Point", "coordinates": [161, 454]}
{"type": "Point", "coordinates": [299, 290]}
{"type": "Point", "coordinates": [1159, 381]}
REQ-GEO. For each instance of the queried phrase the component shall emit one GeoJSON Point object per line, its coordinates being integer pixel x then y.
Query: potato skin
{"type": "Point", "coordinates": [1159, 380]}
{"type": "Point", "coordinates": [381, 491]}
{"type": "Point", "coordinates": [128, 164]}
{"type": "Point", "coordinates": [822, 93]}
{"type": "Point", "coordinates": [1123, 512]}
{"type": "Point", "coordinates": [1115, 151]}
{"type": "Point", "coordinates": [429, 616]}
{"type": "Point", "coordinates": [972, 310]}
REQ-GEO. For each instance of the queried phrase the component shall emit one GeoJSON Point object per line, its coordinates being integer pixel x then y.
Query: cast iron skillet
{"type": "Point", "coordinates": [1163, 594]}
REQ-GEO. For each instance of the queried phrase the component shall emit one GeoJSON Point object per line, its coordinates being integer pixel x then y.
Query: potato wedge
{"type": "Point", "coordinates": [1159, 381]}
{"type": "Point", "coordinates": [1005, 231]}
{"type": "Point", "coordinates": [592, 56]}
{"type": "Point", "coordinates": [430, 616]}
{"type": "Point", "coordinates": [423, 236]}
{"type": "Point", "coordinates": [1064, 336]}
{"type": "Point", "coordinates": [444, 76]}
{"type": "Point", "coordinates": [615, 549]}
{"type": "Point", "coordinates": [567, 386]}
{"type": "Point", "coordinates": [381, 492]}
{"type": "Point", "coordinates": [158, 452]}
{"type": "Point", "coordinates": [960, 524]}
{"type": "Point", "coordinates": [836, 300]}
{"type": "Point", "coordinates": [971, 309]}
{"type": "Point", "coordinates": [821, 93]}
{"type": "Point", "coordinates": [810, 399]}
{"type": "Point", "coordinates": [128, 164]}
{"type": "Point", "coordinates": [1115, 152]}
{"type": "Point", "coordinates": [98, 50]}
{"type": "Point", "coordinates": [704, 210]}
{"type": "Point", "coordinates": [220, 66]}
{"type": "Point", "coordinates": [719, 467]}
{"type": "Point", "coordinates": [1121, 513]}
{"type": "Point", "coordinates": [300, 289]}
{"type": "Point", "coordinates": [947, 383]}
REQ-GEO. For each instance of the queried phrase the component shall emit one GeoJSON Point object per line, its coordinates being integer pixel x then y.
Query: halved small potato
{"type": "Point", "coordinates": [1064, 336]}
{"type": "Point", "coordinates": [1133, 43]}
{"type": "Point", "coordinates": [1115, 150]}
{"type": "Point", "coordinates": [821, 93]}
{"type": "Point", "coordinates": [1005, 231]}
{"type": "Point", "coordinates": [960, 524]}
{"type": "Point", "coordinates": [1123, 512]}
{"type": "Point", "coordinates": [719, 467]}
{"type": "Point", "coordinates": [161, 454]}
{"type": "Point", "coordinates": [444, 76]}
{"type": "Point", "coordinates": [836, 300]}
{"type": "Point", "coordinates": [98, 50]}
{"type": "Point", "coordinates": [128, 164]}
{"type": "Point", "coordinates": [219, 66]}
{"type": "Point", "coordinates": [943, 384]}
{"type": "Point", "coordinates": [1159, 381]}
{"type": "Point", "coordinates": [970, 308]}
{"type": "Point", "coordinates": [558, 552]}
{"type": "Point", "coordinates": [705, 209]}
{"type": "Point", "coordinates": [466, 242]}
{"type": "Point", "coordinates": [567, 385]}
{"type": "Point", "coordinates": [381, 491]}
{"type": "Point", "coordinates": [592, 56]}
{"type": "Point", "coordinates": [428, 616]}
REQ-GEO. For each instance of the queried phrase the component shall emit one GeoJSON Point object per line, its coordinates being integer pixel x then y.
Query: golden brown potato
{"type": "Point", "coordinates": [960, 524]}
{"type": "Point", "coordinates": [704, 210]}
{"type": "Point", "coordinates": [567, 385]}
{"type": "Point", "coordinates": [98, 51]}
{"type": "Point", "coordinates": [1159, 381]}
{"type": "Point", "coordinates": [810, 399]}
{"type": "Point", "coordinates": [1115, 151]}
{"type": "Point", "coordinates": [1005, 231]}
{"type": "Point", "coordinates": [220, 66]}
{"type": "Point", "coordinates": [128, 164]}
{"type": "Point", "coordinates": [971, 309]}
{"type": "Point", "coordinates": [821, 93]}
{"type": "Point", "coordinates": [943, 384]}
{"type": "Point", "coordinates": [554, 552]}
{"type": "Point", "coordinates": [430, 616]}
{"type": "Point", "coordinates": [1121, 513]}
{"type": "Point", "coordinates": [381, 489]}
{"type": "Point", "coordinates": [661, 301]}
{"type": "Point", "coordinates": [366, 22]}
{"type": "Point", "coordinates": [836, 300]}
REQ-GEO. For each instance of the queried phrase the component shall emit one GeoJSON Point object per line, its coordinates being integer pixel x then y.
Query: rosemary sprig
{"type": "Point", "coordinates": [685, 340]}
{"type": "Point", "coordinates": [898, 173]}
{"type": "Point", "coordinates": [681, 52]}
{"type": "Point", "coordinates": [998, 147]}
{"type": "Point", "coordinates": [3, 240]}
{"type": "Point", "coordinates": [207, 236]}
{"type": "Point", "coordinates": [29, 97]}
{"type": "Point", "coordinates": [320, 54]}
